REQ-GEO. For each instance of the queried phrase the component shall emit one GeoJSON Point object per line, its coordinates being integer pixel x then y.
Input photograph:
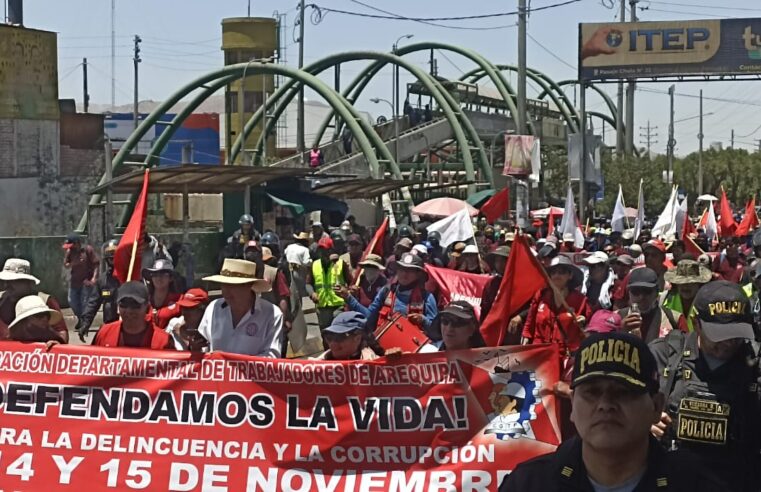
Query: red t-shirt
{"type": "Point", "coordinates": [542, 323]}
{"type": "Point", "coordinates": [83, 264]}
{"type": "Point", "coordinates": [110, 335]}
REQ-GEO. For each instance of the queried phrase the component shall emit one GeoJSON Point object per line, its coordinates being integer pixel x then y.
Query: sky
{"type": "Point", "coordinates": [181, 41]}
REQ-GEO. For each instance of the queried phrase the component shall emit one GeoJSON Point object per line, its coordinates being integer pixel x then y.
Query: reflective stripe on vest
{"type": "Point", "coordinates": [324, 285]}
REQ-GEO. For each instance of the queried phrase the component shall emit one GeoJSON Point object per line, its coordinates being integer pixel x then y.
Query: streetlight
{"type": "Point", "coordinates": [395, 89]}
{"type": "Point", "coordinates": [377, 100]}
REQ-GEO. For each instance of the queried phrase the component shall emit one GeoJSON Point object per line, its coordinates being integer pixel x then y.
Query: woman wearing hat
{"type": "Point", "coordinates": [34, 322]}
{"type": "Point", "coordinates": [456, 328]}
{"type": "Point", "coordinates": [371, 280]}
{"type": "Point", "coordinates": [347, 339]}
{"type": "Point", "coordinates": [686, 279]}
{"type": "Point", "coordinates": [162, 293]}
{"type": "Point", "coordinates": [548, 320]}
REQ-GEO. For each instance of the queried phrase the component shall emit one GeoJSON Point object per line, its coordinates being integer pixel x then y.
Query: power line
{"type": "Point", "coordinates": [450, 61]}
{"type": "Point", "coordinates": [551, 53]}
{"type": "Point", "coordinates": [685, 13]}
{"type": "Point", "coordinates": [706, 98]}
{"type": "Point", "coordinates": [711, 7]}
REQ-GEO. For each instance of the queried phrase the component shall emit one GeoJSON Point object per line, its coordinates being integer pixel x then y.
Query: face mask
{"type": "Point", "coordinates": [371, 274]}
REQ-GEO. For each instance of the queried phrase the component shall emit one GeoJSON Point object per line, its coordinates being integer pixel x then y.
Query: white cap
{"type": "Point", "coordinates": [596, 258]}
{"type": "Point", "coordinates": [316, 224]}
{"type": "Point", "coordinates": [627, 234]}
{"type": "Point", "coordinates": [470, 249]}
{"type": "Point", "coordinates": [568, 237]}
{"type": "Point", "coordinates": [419, 248]}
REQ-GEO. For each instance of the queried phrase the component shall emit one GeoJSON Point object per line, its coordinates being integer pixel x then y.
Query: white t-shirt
{"type": "Point", "coordinates": [298, 254]}
{"type": "Point", "coordinates": [258, 333]}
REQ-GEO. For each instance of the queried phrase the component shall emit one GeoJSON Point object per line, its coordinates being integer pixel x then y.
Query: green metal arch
{"type": "Point", "coordinates": [547, 85]}
{"type": "Point", "coordinates": [608, 101]}
{"type": "Point", "coordinates": [335, 100]}
{"type": "Point", "coordinates": [503, 86]}
{"type": "Point", "coordinates": [443, 98]}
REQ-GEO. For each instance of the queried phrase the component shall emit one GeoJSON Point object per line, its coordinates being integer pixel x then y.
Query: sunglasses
{"type": "Point", "coordinates": [338, 337]}
{"type": "Point", "coordinates": [129, 304]}
{"type": "Point", "coordinates": [641, 291]}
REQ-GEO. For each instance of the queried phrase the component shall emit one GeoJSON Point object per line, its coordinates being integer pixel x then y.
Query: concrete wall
{"type": "Point", "coordinates": [46, 256]}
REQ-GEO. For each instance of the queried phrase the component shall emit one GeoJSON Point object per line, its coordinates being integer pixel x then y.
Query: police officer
{"type": "Point", "coordinates": [615, 401]}
{"type": "Point", "coordinates": [710, 379]}
{"type": "Point", "coordinates": [104, 295]}
{"type": "Point", "coordinates": [237, 242]}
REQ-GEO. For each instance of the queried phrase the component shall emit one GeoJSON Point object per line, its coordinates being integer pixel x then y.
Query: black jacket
{"type": "Point", "coordinates": [564, 471]}
{"type": "Point", "coordinates": [104, 295]}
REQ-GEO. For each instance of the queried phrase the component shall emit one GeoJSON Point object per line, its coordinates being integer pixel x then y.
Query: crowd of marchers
{"type": "Point", "coordinates": [658, 338]}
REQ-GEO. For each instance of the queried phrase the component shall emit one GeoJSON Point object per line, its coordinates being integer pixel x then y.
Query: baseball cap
{"type": "Point", "coordinates": [618, 356]}
{"type": "Point", "coordinates": [420, 249]}
{"type": "Point", "coordinates": [325, 243]}
{"type": "Point", "coordinates": [654, 243]}
{"type": "Point", "coordinates": [193, 298]}
{"type": "Point", "coordinates": [346, 322]}
{"type": "Point", "coordinates": [643, 277]}
{"type": "Point", "coordinates": [408, 260]}
{"type": "Point", "coordinates": [604, 321]}
{"type": "Point", "coordinates": [596, 258]}
{"type": "Point", "coordinates": [137, 291]}
{"type": "Point", "coordinates": [459, 309]}
{"type": "Point", "coordinates": [625, 260]}
{"type": "Point", "coordinates": [316, 224]}
{"type": "Point", "coordinates": [724, 311]}
{"type": "Point", "coordinates": [71, 240]}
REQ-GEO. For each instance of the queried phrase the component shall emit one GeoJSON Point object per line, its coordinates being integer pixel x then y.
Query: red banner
{"type": "Point", "coordinates": [459, 286]}
{"type": "Point", "coordinates": [91, 418]}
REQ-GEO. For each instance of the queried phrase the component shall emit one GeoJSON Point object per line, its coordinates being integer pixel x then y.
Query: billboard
{"type": "Point", "coordinates": [617, 50]}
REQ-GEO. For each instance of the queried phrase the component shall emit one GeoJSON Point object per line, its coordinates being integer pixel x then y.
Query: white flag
{"type": "Point", "coordinates": [456, 227]}
{"type": "Point", "coordinates": [570, 224]}
{"type": "Point", "coordinates": [640, 220]}
{"type": "Point", "coordinates": [666, 224]}
{"type": "Point", "coordinates": [681, 213]}
{"type": "Point", "coordinates": [712, 230]}
{"type": "Point", "coordinates": [536, 161]}
{"type": "Point", "coordinates": [618, 221]}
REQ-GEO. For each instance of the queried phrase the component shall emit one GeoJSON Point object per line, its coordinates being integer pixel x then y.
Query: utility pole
{"type": "Point", "coordinates": [583, 166]}
{"type": "Point", "coordinates": [732, 140]}
{"type": "Point", "coordinates": [520, 118]}
{"type": "Point", "coordinates": [700, 148]}
{"type": "Point", "coordinates": [620, 102]}
{"type": "Point", "coordinates": [649, 136]}
{"type": "Point", "coordinates": [86, 94]}
{"type": "Point", "coordinates": [113, 54]}
{"type": "Point", "coordinates": [630, 88]}
{"type": "Point", "coordinates": [136, 60]}
{"type": "Point", "coordinates": [300, 112]}
{"type": "Point", "coordinates": [671, 143]}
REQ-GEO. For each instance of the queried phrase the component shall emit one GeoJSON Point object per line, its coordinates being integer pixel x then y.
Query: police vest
{"type": "Point", "coordinates": [323, 284]}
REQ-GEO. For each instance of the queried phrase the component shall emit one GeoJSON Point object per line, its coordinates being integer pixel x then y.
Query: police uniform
{"type": "Point", "coordinates": [626, 359]}
{"type": "Point", "coordinates": [714, 406]}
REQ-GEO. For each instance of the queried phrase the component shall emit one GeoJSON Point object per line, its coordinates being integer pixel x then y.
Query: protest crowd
{"type": "Point", "coordinates": [656, 322]}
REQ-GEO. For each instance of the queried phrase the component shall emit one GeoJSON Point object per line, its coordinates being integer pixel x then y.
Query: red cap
{"type": "Point", "coordinates": [604, 321]}
{"type": "Point", "coordinates": [193, 298]}
{"type": "Point", "coordinates": [325, 243]}
{"type": "Point", "coordinates": [655, 243]}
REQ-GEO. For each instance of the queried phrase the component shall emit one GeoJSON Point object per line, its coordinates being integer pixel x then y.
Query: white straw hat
{"type": "Point", "coordinates": [31, 305]}
{"type": "Point", "coordinates": [18, 269]}
{"type": "Point", "coordinates": [238, 272]}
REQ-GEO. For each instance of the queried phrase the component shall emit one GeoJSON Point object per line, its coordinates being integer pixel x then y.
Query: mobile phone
{"type": "Point", "coordinates": [634, 309]}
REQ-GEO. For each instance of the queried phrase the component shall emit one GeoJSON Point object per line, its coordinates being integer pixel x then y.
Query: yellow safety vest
{"type": "Point", "coordinates": [748, 289]}
{"type": "Point", "coordinates": [324, 285]}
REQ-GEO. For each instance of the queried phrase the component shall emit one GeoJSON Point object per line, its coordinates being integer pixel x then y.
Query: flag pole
{"type": "Point", "coordinates": [626, 217]}
{"type": "Point", "coordinates": [135, 242]}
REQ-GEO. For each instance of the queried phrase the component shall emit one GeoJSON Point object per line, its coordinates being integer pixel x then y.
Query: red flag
{"type": "Point", "coordinates": [727, 224]}
{"type": "Point", "coordinates": [750, 219]}
{"type": "Point", "coordinates": [524, 276]}
{"type": "Point", "coordinates": [459, 286]}
{"type": "Point", "coordinates": [690, 246]}
{"type": "Point", "coordinates": [688, 227]}
{"type": "Point", "coordinates": [703, 219]}
{"type": "Point", "coordinates": [496, 205]}
{"type": "Point", "coordinates": [127, 258]}
{"type": "Point", "coordinates": [374, 246]}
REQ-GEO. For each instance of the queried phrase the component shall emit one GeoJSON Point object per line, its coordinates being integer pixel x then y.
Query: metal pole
{"type": "Point", "coordinates": [700, 148]}
{"type": "Point", "coordinates": [620, 102]}
{"type": "Point", "coordinates": [672, 142]}
{"type": "Point", "coordinates": [300, 116]}
{"type": "Point", "coordinates": [113, 54]}
{"type": "Point", "coordinates": [630, 88]}
{"type": "Point", "coordinates": [136, 60]}
{"type": "Point", "coordinates": [337, 87]}
{"type": "Point", "coordinates": [582, 167]}
{"type": "Point", "coordinates": [86, 95]}
{"type": "Point", "coordinates": [520, 118]}
{"type": "Point", "coordinates": [264, 119]}
{"type": "Point", "coordinates": [732, 141]}
{"type": "Point", "coordinates": [109, 215]}
{"type": "Point", "coordinates": [185, 214]}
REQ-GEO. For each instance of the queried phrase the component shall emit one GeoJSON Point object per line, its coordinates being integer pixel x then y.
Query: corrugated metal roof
{"type": "Point", "coordinates": [199, 178]}
{"type": "Point", "coordinates": [362, 187]}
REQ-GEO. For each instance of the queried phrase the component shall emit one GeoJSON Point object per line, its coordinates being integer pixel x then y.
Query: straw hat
{"type": "Point", "coordinates": [301, 236]}
{"type": "Point", "coordinates": [29, 306]}
{"type": "Point", "coordinates": [373, 260]}
{"type": "Point", "coordinates": [18, 269]}
{"type": "Point", "coordinates": [238, 272]}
